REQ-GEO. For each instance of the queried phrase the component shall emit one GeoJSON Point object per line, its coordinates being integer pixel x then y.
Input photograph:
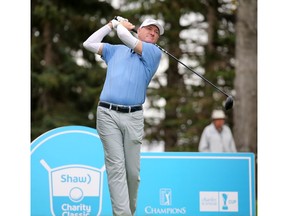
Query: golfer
{"type": "Point", "coordinates": [120, 121]}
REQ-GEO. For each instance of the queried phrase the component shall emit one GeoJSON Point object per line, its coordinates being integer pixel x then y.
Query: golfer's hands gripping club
{"type": "Point", "coordinates": [125, 22]}
{"type": "Point", "coordinates": [117, 19]}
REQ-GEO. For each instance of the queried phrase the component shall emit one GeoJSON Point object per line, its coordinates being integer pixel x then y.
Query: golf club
{"type": "Point", "coordinates": [229, 100]}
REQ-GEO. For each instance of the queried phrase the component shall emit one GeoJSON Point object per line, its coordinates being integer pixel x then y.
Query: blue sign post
{"type": "Point", "coordinates": [68, 178]}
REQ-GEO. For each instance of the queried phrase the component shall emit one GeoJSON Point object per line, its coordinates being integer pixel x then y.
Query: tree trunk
{"type": "Point", "coordinates": [175, 84]}
{"type": "Point", "coordinates": [48, 53]}
{"type": "Point", "coordinates": [245, 107]}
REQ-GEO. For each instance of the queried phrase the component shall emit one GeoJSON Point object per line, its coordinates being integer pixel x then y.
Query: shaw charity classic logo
{"type": "Point", "coordinates": [75, 190]}
{"type": "Point", "coordinates": [67, 173]}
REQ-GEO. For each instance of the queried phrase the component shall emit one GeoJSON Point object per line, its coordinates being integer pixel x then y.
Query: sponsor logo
{"type": "Point", "coordinates": [166, 207]}
{"type": "Point", "coordinates": [75, 190]}
{"type": "Point", "coordinates": [165, 196]}
{"type": "Point", "coordinates": [218, 201]}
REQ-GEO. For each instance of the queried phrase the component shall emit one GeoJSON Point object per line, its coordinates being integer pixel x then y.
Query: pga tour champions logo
{"type": "Point", "coordinates": [165, 196]}
{"type": "Point", "coordinates": [75, 190]}
{"type": "Point", "coordinates": [166, 207]}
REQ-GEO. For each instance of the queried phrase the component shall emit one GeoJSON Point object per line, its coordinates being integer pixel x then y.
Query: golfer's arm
{"type": "Point", "coordinates": [128, 39]}
{"type": "Point", "coordinates": [93, 43]}
{"type": "Point", "coordinates": [138, 47]}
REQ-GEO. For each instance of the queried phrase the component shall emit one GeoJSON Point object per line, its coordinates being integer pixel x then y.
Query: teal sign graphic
{"type": "Point", "coordinates": [68, 173]}
{"type": "Point", "coordinates": [202, 184]}
{"type": "Point", "coordinates": [68, 178]}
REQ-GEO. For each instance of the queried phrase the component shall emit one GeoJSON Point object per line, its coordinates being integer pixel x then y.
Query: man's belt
{"type": "Point", "coordinates": [120, 108]}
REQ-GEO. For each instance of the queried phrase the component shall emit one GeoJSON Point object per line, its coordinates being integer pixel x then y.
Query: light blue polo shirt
{"type": "Point", "coordinates": [128, 73]}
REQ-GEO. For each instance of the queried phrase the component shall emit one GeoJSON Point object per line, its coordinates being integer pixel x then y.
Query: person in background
{"type": "Point", "coordinates": [120, 122]}
{"type": "Point", "coordinates": [217, 137]}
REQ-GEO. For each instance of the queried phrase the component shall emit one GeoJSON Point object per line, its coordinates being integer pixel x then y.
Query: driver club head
{"type": "Point", "coordinates": [228, 103]}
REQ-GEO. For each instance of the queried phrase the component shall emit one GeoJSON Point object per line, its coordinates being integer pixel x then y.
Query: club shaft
{"type": "Point", "coordinates": [163, 50]}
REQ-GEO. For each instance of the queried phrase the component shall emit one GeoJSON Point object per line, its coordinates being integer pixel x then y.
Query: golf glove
{"type": "Point", "coordinates": [120, 19]}
{"type": "Point", "coordinates": [115, 23]}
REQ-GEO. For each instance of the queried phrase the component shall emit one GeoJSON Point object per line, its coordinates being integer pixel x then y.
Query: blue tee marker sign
{"type": "Point", "coordinates": [200, 184]}
{"type": "Point", "coordinates": [68, 178]}
{"type": "Point", "coordinates": [67, 173]}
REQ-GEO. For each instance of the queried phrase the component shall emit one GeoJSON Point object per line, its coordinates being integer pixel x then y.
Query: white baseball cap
{"type": "Point", "coordinates": [218, 114]}
{"type": "Point", "coordinates": [148, 22]}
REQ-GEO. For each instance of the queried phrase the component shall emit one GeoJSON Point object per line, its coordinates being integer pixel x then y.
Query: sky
{"type": "Point", "coordinates": [272, 108]}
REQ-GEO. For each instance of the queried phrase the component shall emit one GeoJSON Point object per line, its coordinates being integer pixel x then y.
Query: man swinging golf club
{"type": "Point", "coordinates": [120, 121]}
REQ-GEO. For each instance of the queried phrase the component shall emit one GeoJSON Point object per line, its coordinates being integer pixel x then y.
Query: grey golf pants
{"type": "Point", "coordinates": [121, 135]}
